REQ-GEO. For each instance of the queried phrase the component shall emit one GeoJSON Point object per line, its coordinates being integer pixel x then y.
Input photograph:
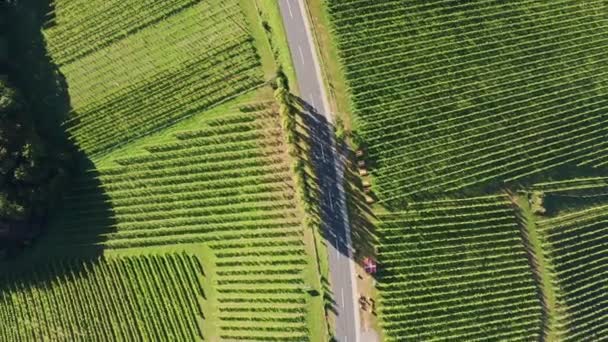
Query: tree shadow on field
{"type": "Point", "coordinates": [45, 89]}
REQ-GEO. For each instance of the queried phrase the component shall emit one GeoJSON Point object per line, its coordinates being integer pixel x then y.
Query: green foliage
{"type": "Point", "coordinates": [469, 95]}
{"type": "Point", "coordinates": [32, 169]}
{"type": "Point", "coordinates": [456, 270]}
{"type": "Point", "coordinates": [576, 245]}
{"type": "Point", "coordinates": [137, 67]}
{"type": "Point", "coordinates": [339, 130]}
{"type": "Point", "coordinates": [130, 298]}
{"type": "Point", "coordinates": [537, 202]}
{"type": "Point", "coordinates": [225, 185]}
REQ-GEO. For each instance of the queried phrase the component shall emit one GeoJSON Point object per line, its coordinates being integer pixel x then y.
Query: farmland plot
{"type": "Point", "coordinates": [575, 238]}
{"type": "Point", "coordinates": [134, 67]}
{"type": "Point", "coordinates": [453, 96]}
{"type": "Point", "coordinates": [456, 270]}
{"type": "Point", "coordinates": [227, 179]}
{"type": "Point", "coordinates": [126, 299]}
{"type": "Point", "coordinates": [577, 247]}
{"type": "Point", "coordinates": [167, 174]}
{"type": "Point", "coordinates": [227, 185]}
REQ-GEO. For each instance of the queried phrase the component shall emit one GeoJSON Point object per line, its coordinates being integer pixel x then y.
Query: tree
{"type": "Point", "coordinates": [36, 157]}
{"type": "Point", "coordinates": [32, 170]}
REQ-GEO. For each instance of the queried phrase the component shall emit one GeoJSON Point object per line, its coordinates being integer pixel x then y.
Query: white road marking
{"type": "Point", "coordinates": [315, 61]}
{"type": "Point", "coordinates": [312, 101]}
{"type": "Point", "coordinates": [289, 7]}
{"type": "Point", "coordinates": [323, 154]}
{"type": "Point", "coordinates": [325, 110]}
{"type": "Point", "coordinates": [337, 248]}
{"type": "Point", "coordinates": [342, 295]}
{"type": "Point", "coordinates": [301, 55]}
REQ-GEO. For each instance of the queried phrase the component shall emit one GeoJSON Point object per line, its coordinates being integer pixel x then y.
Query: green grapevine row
{"type": "Point", "coordinates": [455, 270]}
{"type": "Point", "coordinates": [455, 96]}
{"type": "Point", "coordinates": [125, 299]}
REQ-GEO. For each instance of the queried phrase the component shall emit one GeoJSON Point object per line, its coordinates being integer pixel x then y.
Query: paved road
{"type": "Point", "coordinates": [329, 168]}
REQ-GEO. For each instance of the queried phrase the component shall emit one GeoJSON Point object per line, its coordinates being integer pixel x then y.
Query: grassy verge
{"type": "Point", "coordinates": [257, 32]}
{"type": "Point", "coordinates": [360, 213]}
{"type": "Point", "coordinates": [299, 155]}
{"type": "Point", "coordinates": [269, 13]}
{"type": "Point", "coordinates": [331, 66]}
{"type": "Point", "coordinates": [318, 273]}
{"type": "Point", "coordinates": [541, 269]}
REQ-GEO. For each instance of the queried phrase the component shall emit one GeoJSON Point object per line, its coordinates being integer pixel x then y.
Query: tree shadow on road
{"type": "Point", "coordinates": [317, 138]}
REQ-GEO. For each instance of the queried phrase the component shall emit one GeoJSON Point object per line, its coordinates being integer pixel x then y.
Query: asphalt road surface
{"type": "Point", "coordinates": [329, 168]}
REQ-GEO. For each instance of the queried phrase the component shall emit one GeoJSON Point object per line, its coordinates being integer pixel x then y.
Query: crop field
{"type": "Point", "coordinates": [452, 96]}
{"type": "Point", "coordinates": [456, 270]}
{"type": "Point", "coordinates": [225, 185]}
{"type": "Point", "coordinates": [483, 127]}
{"type": "Point", "coordinates": [577, 247]}
{"type": "Point", "coordinates": [224, 180]}
{"type": "Point", "coordinates": [183, 224]}
{"type": "Point", "coordinates": [200, 202]}
{"type": "Point", "coordinates": [132, 298]}
{"type": "Point", "coordinates": [138, 66]}
{"type": "Point", "coordinates": [575, 238]}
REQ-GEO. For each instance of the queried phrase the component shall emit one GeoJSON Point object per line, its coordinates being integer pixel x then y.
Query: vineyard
{"type": "Point", "coordinates": [476, 173]}
{"type": "Point", "coordinates": [225, 180]}
{"type": "Point", "coordinates": [577, 247]}
{"type": "Point", "coordinates": [183, 223]}
{"type": "Point", "coordinates": [226, 185]}
{"type": "Point", "coordinates": [574, 239]}
{"type": "Point", "coordinates": [456, 270]}
{"type": "Point", "coordinates": [452, 96]}
{"type": "Point", "coordinates": [127, 299]}
{"type": "Point", "coordinates": [139, 66]}
{"type": "Point", "coordinates": [483, 126]}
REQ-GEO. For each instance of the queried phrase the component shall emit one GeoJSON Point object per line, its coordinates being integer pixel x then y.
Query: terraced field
{"type": "Point", "coordinates": [456, 270]}
{"type": "Point", "coordinates": [127, 299]}
{"type": "Point", "coordinates": [452, 96]}
{"type": "Point", "coordinates": [134, 67]}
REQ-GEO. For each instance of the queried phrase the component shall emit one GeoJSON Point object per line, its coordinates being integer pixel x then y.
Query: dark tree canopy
{"type": "Point", "coordinates": [29, 169]}
{"type": "Point", "coordinates": [34, 157]}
